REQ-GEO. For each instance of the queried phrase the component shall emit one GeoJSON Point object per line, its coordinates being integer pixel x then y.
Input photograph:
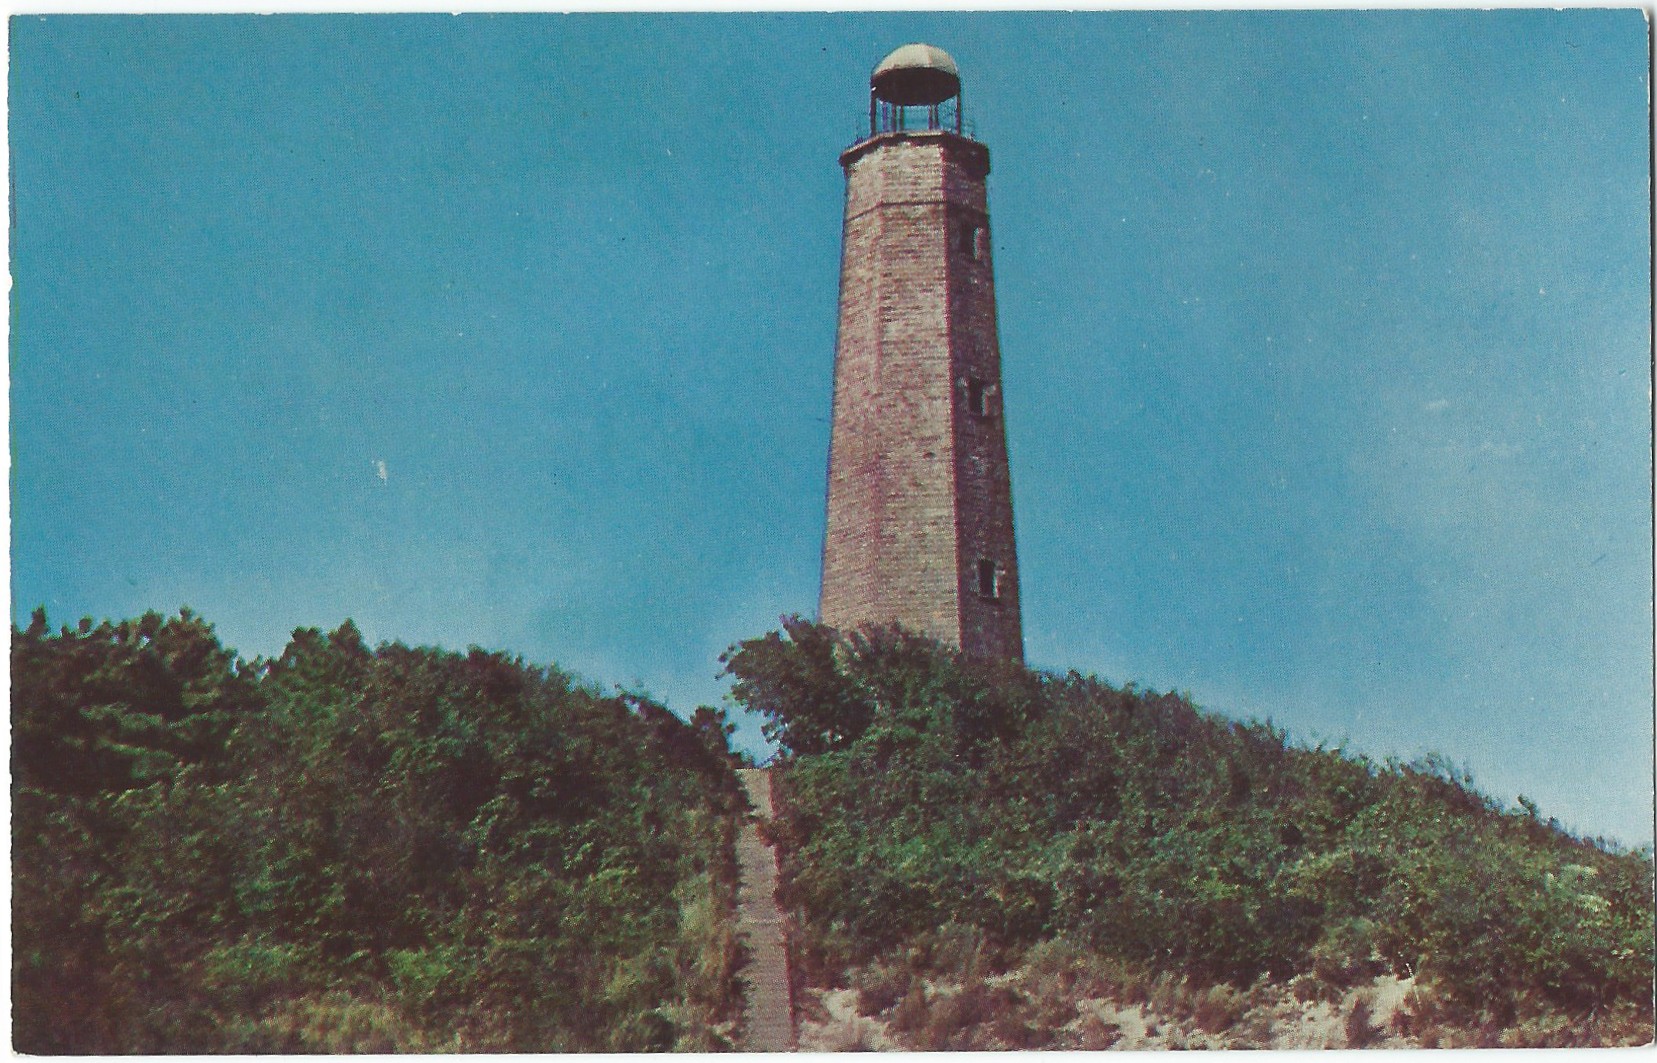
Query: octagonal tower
{"type": "Point", "coordinates": [920, 512]}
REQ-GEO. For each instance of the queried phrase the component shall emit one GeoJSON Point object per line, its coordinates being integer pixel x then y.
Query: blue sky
{"type": "Point", "coordinates": [1326, 347]}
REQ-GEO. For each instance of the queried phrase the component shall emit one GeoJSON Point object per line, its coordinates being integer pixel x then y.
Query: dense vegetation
{"type": "Point", "coordinates": [353, 849]}
{"type": "Point", "coordinates": [930, 799]}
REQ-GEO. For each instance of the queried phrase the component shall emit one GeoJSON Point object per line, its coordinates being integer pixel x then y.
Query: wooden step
{"type": "Point", "coordinates": [769, 1013]}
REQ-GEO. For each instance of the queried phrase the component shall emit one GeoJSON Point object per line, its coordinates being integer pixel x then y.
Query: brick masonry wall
{"type": "Point", "coordinates": [919, 490]}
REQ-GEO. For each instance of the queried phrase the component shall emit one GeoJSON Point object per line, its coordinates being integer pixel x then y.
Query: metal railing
{"type": "Point", "coordinates": [891, 118]}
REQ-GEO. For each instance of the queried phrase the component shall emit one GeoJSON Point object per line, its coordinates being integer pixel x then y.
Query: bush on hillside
{"type": "Point", "coordinates": [923, 788]}
{"type": "Point", "coordinates": [348, 849]}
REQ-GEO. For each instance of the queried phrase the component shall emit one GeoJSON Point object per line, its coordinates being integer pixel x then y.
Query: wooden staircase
{"type": "Point", "coordinates": [769, 1015]}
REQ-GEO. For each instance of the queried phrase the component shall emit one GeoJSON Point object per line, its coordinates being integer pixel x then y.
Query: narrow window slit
{"type": "Point", "coordinates": [989, 579]}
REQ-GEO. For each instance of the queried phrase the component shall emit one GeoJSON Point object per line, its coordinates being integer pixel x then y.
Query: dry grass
{"type": "Point", "coordinates": [1425, 1020]}
{"type": "Point", "coordinates": [1256, 1029]}
{"type": "Point", "coordinates": [975, 1017]}
{"type": "Point", "coordinates": [910, 1014]}
{"type": "Point", "coordinates": [961, 952]}
{"type": "Point", "coordinates": [1361, 1031]}
{"type": "Point", "coordinates": [881, 986]}
{"type": "Point", "coordinates": [857, 1034]}
{"type": "Point", "coordinates": [1219, 1009]}
{"type": "Point", "coordinates": [1063, 996]}
{"type": "Point", "coordinates": [338, 1024]}
{"type": "Point", "coordinates": [713, 956]}
{"type": "Point", "coordinates": [1095, 1034]}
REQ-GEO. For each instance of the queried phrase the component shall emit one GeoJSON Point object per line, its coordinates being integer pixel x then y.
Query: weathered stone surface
{"type": "Point", "coordinates": [919, 489]}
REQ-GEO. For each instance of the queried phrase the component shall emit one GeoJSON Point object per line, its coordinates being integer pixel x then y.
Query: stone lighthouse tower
{"type": "Point", "coordinates": [920, 511]}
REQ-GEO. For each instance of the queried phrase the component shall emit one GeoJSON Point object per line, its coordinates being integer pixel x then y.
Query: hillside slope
{"type": "Point", "coordinates": [994, 857]}
{"type": "Point", "coordinates": [348, 849]}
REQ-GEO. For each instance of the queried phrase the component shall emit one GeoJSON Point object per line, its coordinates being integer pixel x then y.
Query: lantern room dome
{"type": "Point", "coordinates": [916, 75]}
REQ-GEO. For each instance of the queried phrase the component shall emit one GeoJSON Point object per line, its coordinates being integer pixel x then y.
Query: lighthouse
{"type": "Point", "coordinates": [920, 510]}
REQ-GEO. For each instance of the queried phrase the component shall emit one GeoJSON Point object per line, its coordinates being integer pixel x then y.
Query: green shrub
{"type": "Point", "coordinates": [347, 849]}
{"type": "Point", "coordinates": [968, 810]}
{"type": "Point", "coordinates": [880, 987]}
{"type": "Point", "coordinates": [1345, 954]}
